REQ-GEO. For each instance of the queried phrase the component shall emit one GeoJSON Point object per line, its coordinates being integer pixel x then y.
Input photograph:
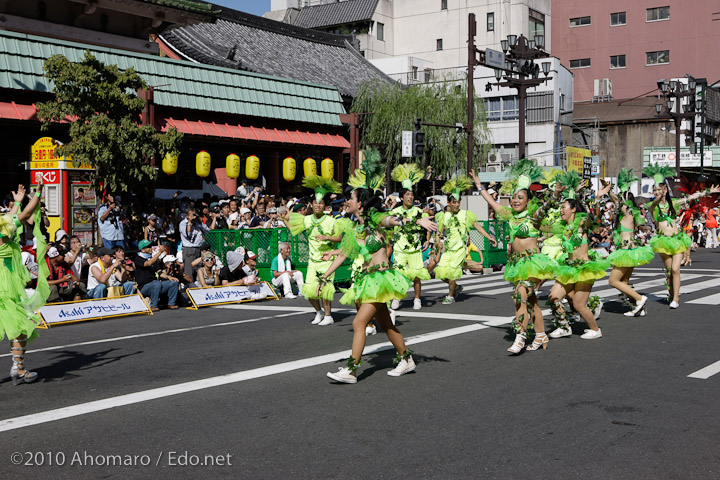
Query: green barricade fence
{"type": "Point", "coordinates": [264, 242]}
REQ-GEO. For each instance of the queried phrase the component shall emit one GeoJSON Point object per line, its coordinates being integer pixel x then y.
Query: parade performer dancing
{"type": "Point", "coordinates": [454, 231]}
{"type": "Point", "coordinates": [526, 266]}
{"type": "Point", "coordinates": [628, 254]}
{"type": "Point", "coordinates": [376, 283]}
{"type": "Point", "coordinates": [668, 241]}
{"type": "Point", "coordinates": [577, 272]}
{"type": "Point", "coordinates": [322, 237]}
{"type": "Point", "coordinates": [17, 318]}
{"type": "Point", "coordinates": [408, 242]}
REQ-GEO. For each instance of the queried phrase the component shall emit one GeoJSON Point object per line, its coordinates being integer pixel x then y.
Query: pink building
{"type": "Point", "coordinates": [635, 43]}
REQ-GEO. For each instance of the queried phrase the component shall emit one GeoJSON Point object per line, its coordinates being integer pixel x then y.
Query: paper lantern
{"type": "Point", "coordinates": [170, 164]}
{"type": "Point", "coordinates": [309, 167]}
{"type": "Point", "coordinates": [289, 169]}
{"type": "Point", "coordinates": [202, 164]}
{"type": "Point", "coordinates": [252, 167]}
{"type": "Point", "coordinates": [327, 167]}
{"type": "Point", "coordinates": [232, 166]}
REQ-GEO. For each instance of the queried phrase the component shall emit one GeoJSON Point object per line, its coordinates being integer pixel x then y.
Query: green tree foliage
{"type": "Point", "coordinates": [101, 103]}
{"type": "Point", "coordinates": [393, 108]}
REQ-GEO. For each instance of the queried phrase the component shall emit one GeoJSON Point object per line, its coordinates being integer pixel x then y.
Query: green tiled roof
{"type": "Point", "coordinates": [193, 86]}
{"type": "Point", "coordinates": [188, 5]}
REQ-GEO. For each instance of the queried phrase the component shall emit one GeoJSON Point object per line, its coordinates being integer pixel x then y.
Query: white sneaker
{"type": "Point", "coordinates": [639, 306]}
{"type": "Point", "coordinates": [561, 332]}
{"type": "Point", "coordinates": [417, 304]}
{"type": "Point", "coordinates": [591, 334]}
{"type": "Point", "coordinates": [290, 295]}
{"type": "Point", "coordinates": [370, 330]}
{"type": "Point", "coordinates": [318, 318]}
{"type": "Point", "coordinates": [327, 320]}
{"type": "Point", "coordinates": [642, 313]}
{"type": "Point", "coordinates": [392, 316]}
{"type": "Point", "coordinates": [395, 304]}
{"type": "Point", "coordinates": [598, 311]}
{"type": "Point", "coordinates": [674, 305]}
{"type": "Point", "coordinates": [343, 375]}
{"type": "Point", "coordinates": [405, 366]}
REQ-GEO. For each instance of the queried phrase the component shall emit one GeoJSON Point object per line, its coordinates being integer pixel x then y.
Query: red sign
{"type": "Point", "coordinates": [48, 176]}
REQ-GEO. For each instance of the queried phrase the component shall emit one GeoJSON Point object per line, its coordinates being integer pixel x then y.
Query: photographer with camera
{"type": "Point", "coordinates": [111, 223]}
{"type": "Point", "coordinates": [191, 235]}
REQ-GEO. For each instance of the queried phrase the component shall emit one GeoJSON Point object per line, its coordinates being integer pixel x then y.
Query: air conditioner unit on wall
{"type": "Point", "coordinates": [494, 167]}
{"type": "Point", "coordinates": [597, 88]}
{"type": "Point", "coordinates": [607, 87]}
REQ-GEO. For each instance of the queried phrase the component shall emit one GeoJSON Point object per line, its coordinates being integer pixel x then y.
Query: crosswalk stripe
{"type": "Point", "coordinates": [708, 300]}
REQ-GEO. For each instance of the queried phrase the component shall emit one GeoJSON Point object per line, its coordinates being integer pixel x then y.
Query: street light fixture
{"type": "Point", "coordinates": [512, 40]}
{"type": "Point", "coordinates": [540, 41]}
{"type": "Point", "coordinates": [545, 65]}
{"type": "Point", "coordinates": [504, 45]}
{"type": "Point", "coordinates": [674, 95]}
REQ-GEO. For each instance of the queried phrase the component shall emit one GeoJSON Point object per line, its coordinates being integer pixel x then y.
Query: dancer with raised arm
{"type": "Point", "coordinates": [668, 240]}
{"type": "Point", "coordinates": [376, 283]}
{"type": "Point", "coordinates": [628, 253]}
{"type": "Point", "coordinates": [526, 266]}
{"type": "Point", "coordinates": [18, 320]}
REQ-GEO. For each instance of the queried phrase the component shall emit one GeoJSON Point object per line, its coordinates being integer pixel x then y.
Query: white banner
{"type": "Point", "coordinates": [66, 312]}
{"type": "Point", "coordinates": [667, 158]}
{"type": "Point", "coordinates": [407, 143]}
{"type": "Point", "coordinates": [203, 297]}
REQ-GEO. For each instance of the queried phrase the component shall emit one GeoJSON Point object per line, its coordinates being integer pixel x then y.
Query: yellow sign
{"type": "Point", "coordinates": [575, 157]}
{"type": "Point", "coordinates": [43, 151]}
{"type": "Point", "coordinates": [44, 165]}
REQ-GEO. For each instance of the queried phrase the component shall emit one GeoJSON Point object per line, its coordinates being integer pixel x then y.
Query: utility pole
{"type": "Point", "coordinates": [470, 125]}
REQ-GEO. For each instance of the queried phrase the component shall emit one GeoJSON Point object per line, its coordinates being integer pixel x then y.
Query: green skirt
{"type": "Point", "coordinates": [631, 257]}
{"type": "Point", "coordinates": [671, 245]}
{"type": "Point", "coordinates": [529, 266]}
{"type": "Point", "coordinates": [379, 286]}
{"type": "Point", "coordinates": [581, 271]}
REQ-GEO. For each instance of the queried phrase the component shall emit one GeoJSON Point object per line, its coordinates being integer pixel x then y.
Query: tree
{"type": "Point", "coordinates": [101, 103]}
{"type": "Point", "coordinates": [393, 108]}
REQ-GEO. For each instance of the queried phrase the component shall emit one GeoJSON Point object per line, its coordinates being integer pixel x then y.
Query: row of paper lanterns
{"type": "Point", "coordinates": [252, 166]}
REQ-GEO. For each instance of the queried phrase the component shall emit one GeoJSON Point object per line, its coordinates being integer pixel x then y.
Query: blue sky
{"type": "Point", "coordinates": [256, 7]}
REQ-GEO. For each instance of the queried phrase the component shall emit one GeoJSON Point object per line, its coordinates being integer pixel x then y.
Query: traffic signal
{"type": "Point", "coordinates": [418, 143]}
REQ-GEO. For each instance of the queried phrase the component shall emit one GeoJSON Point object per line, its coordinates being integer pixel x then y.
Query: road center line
{"type": "Point", "coordinates": [162, 392]}
{"type": "Point", "coordinates": [707, 372]}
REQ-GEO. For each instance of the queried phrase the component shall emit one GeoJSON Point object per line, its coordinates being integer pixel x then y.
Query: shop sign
{"type": "Point", "coordinates": [576, 159]}
{"type": "Point", "coordinates": [687, 159]}
{"type": "Point", "coordinates": [49, 177]}
{"type": "Point", "coordinates": [43, 152]}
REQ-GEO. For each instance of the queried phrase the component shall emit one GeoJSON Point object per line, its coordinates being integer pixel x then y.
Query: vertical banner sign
{"type": "Point", "coordinates": [575, 158]}
{"type": "Point", "coordinates": [587, 170]}
{"type": "Point", "coordinates": [406, 143]}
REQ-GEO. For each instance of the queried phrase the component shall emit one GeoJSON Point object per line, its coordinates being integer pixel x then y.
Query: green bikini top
{"type": "Point", "coordinates": [522, 226]}
{"type": "Point", "coordinates": [662, 214]}
{"type": "Point", "coordinates": [373, 244]}
{"type": "Point", "coordinates": [572, 238]}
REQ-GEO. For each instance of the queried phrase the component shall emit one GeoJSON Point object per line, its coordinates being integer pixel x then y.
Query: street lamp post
{"type": "Point", "coordinates": [674, 91]}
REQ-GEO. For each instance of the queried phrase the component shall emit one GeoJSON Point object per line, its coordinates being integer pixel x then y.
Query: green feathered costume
{"type": "Point", "coordinates": [661, 243]}
{"type": "Point", "coordinates": [627, 253]}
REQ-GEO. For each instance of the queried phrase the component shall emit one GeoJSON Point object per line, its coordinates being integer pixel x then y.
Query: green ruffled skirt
{"type": "Point", "coordinates": [537, 266]}
{"type": "Point", "coordinates": [581, 271]}
{"type": "Point", "coordinates": [631, 257]}
{"type": "Point", "coordinates": [677, 243]}
{"type": "Point", "coordinates": [376, 287]}
{"type": "Point", "coordinates": [16, 314]}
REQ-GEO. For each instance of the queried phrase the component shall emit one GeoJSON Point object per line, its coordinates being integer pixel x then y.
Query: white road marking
{"type": "Point", "coordinates": [162, 392]}
{"type": "Point", "coordinates": [690, 288]}
{"type": "Point", "coordinates": [707, 372]}
{"type": "Point", "coordinates": [709, 300]}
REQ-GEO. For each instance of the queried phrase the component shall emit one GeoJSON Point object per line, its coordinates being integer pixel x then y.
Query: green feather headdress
{"type": "Point", "coordinates": [408, 174]}
{"type": "Point", "coordinates": [550, 176]}
{"type": "Point", "coordinates": [322, 186]}
{"type": "Point", "coordinates": [658, 173]}
{"type": "Point", "coordinates": [525, 172]}
{"type": "Point", "coordinates": [372, 173]}
{"type": "Point", "coordinates": [571, 180]}
{"type": "Point", "coordinates": [457, 184]}
{"type": "Point", "coordinates": [625, 179]}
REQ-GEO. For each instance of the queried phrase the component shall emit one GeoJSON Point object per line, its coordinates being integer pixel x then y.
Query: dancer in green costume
{"type": "Point", "coordinates": [322, 237]}
{"type": "Point", "coordinates": [454, 231]}
{"type": "Point", "coordinates": [18, 320]}
{"type": "Point", "coordinates": [668, 240]}
{"type": "Point", "coordinates": [408, 242]}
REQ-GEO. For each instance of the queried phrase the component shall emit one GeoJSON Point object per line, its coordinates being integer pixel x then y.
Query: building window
{"type": "Point", "coordinates": [579, 21]}
{"type": "Point", "coordinates": [536, 24]}
{"type": "Point", "coordinates": [617, 18]}
{"type": "Point", "coordinates": [443, 4]}
{"type": "Point", "coordinates": [438, 44]}
{"type": "Point", "coordinates": [380, 31]}
{"type": "Point", "coordinates": [617, 61]}
{"type": "Point", "coordinates": [502, 108]}
{"type": "Point", "coordinates": [414, 72]}
{"type": "Point", "coordinates": [491, 22]}
{"type": "Point", "coordinates": [580, 63]}
{"type": "Point", "coordinates": [658, 13]}
{"type": "Point", "coordinates": [428, 75]}
{"type": "Point", "coordinates": [656, 58]}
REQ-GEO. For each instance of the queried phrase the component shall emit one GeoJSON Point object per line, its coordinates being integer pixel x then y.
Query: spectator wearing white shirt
{"type": "Point", "coordinates": [191, 235]}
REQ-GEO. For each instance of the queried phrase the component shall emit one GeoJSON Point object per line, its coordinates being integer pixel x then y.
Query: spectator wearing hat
{"type": "Point", "coordinates": [335, 208]}
{"type": "Point", "coordinates": [126, 270]}
{"type": "Point", "coordinates": [242, 190]}
{"type": "Point", "coordinates": [283, 274]}
{"type": "Point", "coordinates": [150, 231]}
{"type": "Point", "coordinates": [245, 218]}
{"type": "Point", "coordinates": [110, 223]}
{"type": "Point", "coordinates": [274, 221]}
{"type": "Point", "coordinates": [151, 278]}
{"type": "Point", "coordinates": [64, 285]}
{"type": "Point", "coordinates": [233, 273]}
{"type": "Point", "coordinates": [250, 267]}
{"type": "Point", "coordinates": [100, 272]}
{"type": "Point", "coordinates": [191, 234]}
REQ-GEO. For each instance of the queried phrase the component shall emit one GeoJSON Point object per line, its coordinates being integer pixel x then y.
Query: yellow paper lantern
{"type": "Point", "coordinates": [309, 167]}
{"type": "Point", "coordinates": [252, 167]}
{"type": "Point", "coordinates": [232, 166]}
{"type": "Point", "coordinates": [202, 164]}
{"type": "Point", "coordinates": [289, 169]}
{"type": "Point", "coordinates": [170, 164]}
{"type": "Point", "coordinates": [327, 167]}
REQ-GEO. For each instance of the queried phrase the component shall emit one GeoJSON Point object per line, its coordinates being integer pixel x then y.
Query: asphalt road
{"type": "Point", "coordinates": [242, 392]}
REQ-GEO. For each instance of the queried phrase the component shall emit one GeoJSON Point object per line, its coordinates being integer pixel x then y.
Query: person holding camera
{"type": "Point", "coordinates": [64, 285]}
{"type": "Point", "coordinates": [100, 272]}
{"type": "Point", "coordinates": [110, 223]}
{"type": "Point", "coordinates": [191, 235]}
